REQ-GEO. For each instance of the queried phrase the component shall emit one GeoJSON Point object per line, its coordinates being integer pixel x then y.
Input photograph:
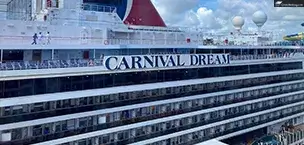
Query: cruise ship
{"type": "Point", "coordinates": [110, 72]}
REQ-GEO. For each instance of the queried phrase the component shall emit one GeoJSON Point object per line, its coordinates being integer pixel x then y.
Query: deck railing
{"type": "Point", "coordinates": [255, 57]}
{"type": "Point", "coordinates": [73, 63]}
{"type": "Point", "coordinates": [27, 40]}
{"type": "Point", "coordinates": [49, 64]}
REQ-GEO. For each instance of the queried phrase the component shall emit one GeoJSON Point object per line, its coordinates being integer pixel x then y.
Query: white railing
{"type": "Point", "coordinates": [52, 64]}
{"type": "Point", "coordinates": [254, 57]}
{"type": "Point", "coordinates": [292, 136]}
{"type": "Point", "coordinates": [27, 40]}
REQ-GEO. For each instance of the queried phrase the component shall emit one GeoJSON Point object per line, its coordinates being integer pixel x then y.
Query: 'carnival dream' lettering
{"type": "Point", "coordinates": [161, 61]}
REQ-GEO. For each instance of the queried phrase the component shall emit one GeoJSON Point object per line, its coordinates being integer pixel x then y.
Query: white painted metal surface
{"type": "Point", "coordinates": [212, 142]}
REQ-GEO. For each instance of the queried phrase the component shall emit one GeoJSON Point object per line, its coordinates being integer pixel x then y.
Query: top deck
{"type": "Point", "coordinates": [20, 35]}
{"type": "Point", "coordinates": [24, 43]}
{"type": "Point", "coordinates": [81, 27]}
{"type": "Point", "coordinates": [58, 32]}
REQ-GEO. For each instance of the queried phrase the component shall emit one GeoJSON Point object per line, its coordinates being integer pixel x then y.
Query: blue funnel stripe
{"type": "Point", "coordinates": [121, 9]}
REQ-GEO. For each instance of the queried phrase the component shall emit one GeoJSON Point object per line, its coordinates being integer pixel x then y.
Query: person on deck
{"type": "Point", "coordinates": [40, 38]}
{"type": "Point", "coordinates": [35, 39]}
{"type": "Point", "coordinates": [48, 38]}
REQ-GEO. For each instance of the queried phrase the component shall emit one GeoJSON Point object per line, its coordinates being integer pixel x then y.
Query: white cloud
{"type": "Point", "coordinates": [174, 12]}
{"type": "Point", "coordinates": [192, 13]}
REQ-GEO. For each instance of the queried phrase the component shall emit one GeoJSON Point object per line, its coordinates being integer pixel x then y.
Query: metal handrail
{"type": "Point", "coordinates": [49, 64]}
{"type": "Point", "coordinates": [15, 40]}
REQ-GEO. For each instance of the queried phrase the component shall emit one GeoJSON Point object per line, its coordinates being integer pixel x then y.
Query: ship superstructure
{"type": "Point", "coordinates": [87, 72]}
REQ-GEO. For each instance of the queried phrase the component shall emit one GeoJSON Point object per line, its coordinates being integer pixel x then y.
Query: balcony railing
{"type": "Point", "coordinates": [137, 138]}
{"type": "Point", "coordinates": [92, 107]}
{"type": "Point", "coordinates": [86, 129]}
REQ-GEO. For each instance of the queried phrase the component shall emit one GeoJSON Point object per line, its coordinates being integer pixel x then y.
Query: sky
{"type": "Point", "coordinates": [216, 15]}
